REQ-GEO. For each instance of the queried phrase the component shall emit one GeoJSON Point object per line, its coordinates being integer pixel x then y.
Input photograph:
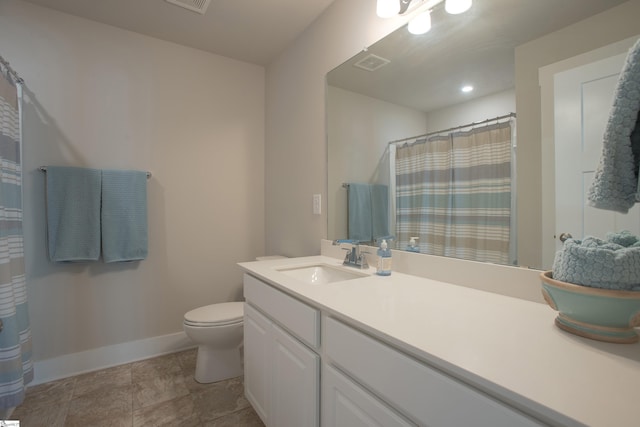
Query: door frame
{"type": "Point", "coordinates": [545, 79]}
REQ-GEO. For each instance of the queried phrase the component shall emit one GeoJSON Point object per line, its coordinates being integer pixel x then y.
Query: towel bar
{"type": "Point", "coordinates": [44, 169]}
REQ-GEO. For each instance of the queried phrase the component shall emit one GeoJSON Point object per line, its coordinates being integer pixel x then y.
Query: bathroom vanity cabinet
{"type": "Point", "coordinates": [281, 372]}
{"type": "Point", "coordinates": [414, 389]}
{"type": "Point", "coordinates": [364, 381]}
{"type": "Point", "coordinates": [405, 351]}
{"type": "Point", "coordinates": [345, 403]}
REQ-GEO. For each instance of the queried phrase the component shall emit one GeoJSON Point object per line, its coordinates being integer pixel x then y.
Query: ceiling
{"type": "Point", "coordinates": [253, 31]}
{"type": "Point", "coordinates": [477, 48]}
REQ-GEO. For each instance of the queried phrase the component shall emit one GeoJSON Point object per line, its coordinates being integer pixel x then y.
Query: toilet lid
{"type": "Point", "coordinates": [216, 314]}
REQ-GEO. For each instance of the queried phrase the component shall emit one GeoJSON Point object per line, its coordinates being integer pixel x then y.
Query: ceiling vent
{"type": "Point", "coordinates": [199, 6]}
{"type": "Point", "coordinates": [371, 62]}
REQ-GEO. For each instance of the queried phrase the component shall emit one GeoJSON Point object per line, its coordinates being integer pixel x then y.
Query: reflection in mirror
{"type": "Point", "coordinates": [412, 88]}
{"type": "Point", "coordinates": [454, 191]}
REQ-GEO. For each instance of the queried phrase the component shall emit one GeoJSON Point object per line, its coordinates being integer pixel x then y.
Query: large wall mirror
{"type": "Point", "coordinates": [406, 86]}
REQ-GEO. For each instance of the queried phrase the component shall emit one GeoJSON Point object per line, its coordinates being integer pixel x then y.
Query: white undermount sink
{"type": "Point", "coordinates": [320, 274]}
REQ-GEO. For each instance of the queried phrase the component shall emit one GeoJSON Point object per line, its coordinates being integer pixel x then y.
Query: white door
{"type": "Point", "coordinates": [583, 97]}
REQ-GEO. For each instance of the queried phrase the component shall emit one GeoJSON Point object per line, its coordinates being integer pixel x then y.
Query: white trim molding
{"type": "Point", "coordinates": [105, 357]}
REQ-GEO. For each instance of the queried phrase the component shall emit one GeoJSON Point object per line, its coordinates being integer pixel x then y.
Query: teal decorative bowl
{"type": "Point", "coordinates": [600, 314]}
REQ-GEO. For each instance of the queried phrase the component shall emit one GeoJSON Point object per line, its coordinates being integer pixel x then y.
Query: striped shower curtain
{"type": "Point", "coordinates": [454, 193]}
{"type": "Point", "coordinates": [16, 368]}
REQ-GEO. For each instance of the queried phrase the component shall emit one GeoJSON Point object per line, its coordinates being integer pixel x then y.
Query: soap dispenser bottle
{"type": "Point", "coordinates": [384, 260]}
{"type": "Point", "coordinates": [413, 246]}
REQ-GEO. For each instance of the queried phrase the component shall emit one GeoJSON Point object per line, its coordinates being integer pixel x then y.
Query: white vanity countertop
{"type": "Point", "coordinates": [505, 346]}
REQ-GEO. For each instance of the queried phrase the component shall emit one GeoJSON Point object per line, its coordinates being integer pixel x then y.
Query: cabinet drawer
{"type": "Point", "coordinates": [297, 317]}
{"type": "Point", "coordinates": [344, 403]}
{"type": "Point", "coordinates": [425, 395]}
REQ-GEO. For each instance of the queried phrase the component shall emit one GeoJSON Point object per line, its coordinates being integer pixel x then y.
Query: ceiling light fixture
{"type": "Point", "coordinates": [466, 88]}
{"type": "Point", "coordinates": [455, 7]}
{"type": "Point", "coordinates": [420, 23]}
{"type": "Point", "coordinates": [387, 8]}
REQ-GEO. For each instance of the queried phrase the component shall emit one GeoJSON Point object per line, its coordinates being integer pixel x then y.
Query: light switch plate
{"type": "Point", "coordinates": [317, 204]}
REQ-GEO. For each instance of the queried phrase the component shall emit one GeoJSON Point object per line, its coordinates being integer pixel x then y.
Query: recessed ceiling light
{"type": "Point", "coordinates": [467, 88]}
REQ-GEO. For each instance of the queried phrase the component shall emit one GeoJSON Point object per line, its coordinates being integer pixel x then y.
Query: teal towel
{"type": "Point", "coordinates": [368, 212]}
{"type": "Point", "coordinates": [379, 211]}
{"type": "Point", "coordinates": [73, 214]}
{"type": "Point", "coordinates": [124, 215]}
{"type": "Point", "coordinates": [360, 225]}
{"type": "Point", "coordinates": [613, 263]}
{"type": "Point", "coordinates": [615, 185]}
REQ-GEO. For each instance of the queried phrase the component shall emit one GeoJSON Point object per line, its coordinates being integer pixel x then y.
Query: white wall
{"type": "Point", "coordinates": [296, 152]}
{"type": "Point", "coordinates": [486, 107]}
{"type": "Point", "coordinates": [102, 97]}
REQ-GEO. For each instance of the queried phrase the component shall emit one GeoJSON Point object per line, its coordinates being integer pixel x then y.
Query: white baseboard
{"type": "Point", "coordinates": [105, 357]}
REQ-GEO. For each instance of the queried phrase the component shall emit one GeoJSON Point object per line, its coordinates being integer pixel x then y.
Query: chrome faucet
{"type": "Point", "coordinates": [354, 257]}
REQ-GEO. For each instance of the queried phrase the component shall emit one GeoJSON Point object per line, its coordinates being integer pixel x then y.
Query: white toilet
{"type": "Point", "coordinates": [218, 331]}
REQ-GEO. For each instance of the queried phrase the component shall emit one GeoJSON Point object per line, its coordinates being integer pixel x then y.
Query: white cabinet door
{"type": "Point", "coordinates": [257, 361]}
{"type": "Point", "coordinates": [423, 394]}
{"type": "Point", "coordinates": [345, 404]}
{"type": "Point", "coordinates": [281, 375]}
{"type": "Point", "coordinates": [296, 374]}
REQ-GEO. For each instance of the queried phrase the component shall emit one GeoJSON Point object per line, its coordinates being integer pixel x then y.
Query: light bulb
{"type": "Point", "coordinates": [387, 8]}
{"type": "Point", "coordinates": [455, 7]}
{"type": "Point", "coordinates": [420, 24]}
{"type": "Point", "coordinates": [467, 88]}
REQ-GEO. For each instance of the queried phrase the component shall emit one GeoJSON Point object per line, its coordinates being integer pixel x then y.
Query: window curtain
{"type": "Point", "coordinates": [16, 367]}
{"type": "Point", "coordinates": [453, 192]}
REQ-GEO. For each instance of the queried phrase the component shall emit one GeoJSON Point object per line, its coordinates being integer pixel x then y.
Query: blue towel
{"type": "Point", "coordinates": [615, 186]}
{"type": "Point", "coordinates": [124, 215]}
{"type": "Point", "coordinates": [368, 212]}
{"type": "Point", "coordinates": [360, 225]}
{"type": "Point", "coordinates": [73, 214]}
{"type": "Point", "coordinates": [613, 263]}
{"type": "Point", "coordinates": [379, 210]}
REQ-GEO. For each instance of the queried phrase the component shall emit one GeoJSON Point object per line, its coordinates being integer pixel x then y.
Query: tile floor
{"type": "Point", "coordinates": [154, 392]}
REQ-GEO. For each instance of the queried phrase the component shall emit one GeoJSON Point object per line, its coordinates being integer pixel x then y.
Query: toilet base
{"type": "Point", "coordinates": [214, 364]}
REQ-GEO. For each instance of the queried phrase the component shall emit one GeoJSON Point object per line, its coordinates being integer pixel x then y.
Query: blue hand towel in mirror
{"type": "Point", "coordinates": [360, 220]}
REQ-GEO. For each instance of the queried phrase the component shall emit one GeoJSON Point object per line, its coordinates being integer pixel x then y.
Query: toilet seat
{"type": "Point", "coordinates": [221, 314]}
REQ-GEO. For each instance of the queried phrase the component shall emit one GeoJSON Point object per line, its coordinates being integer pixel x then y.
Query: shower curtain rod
{"type": "Point", "coordinates": [44, 169]}
{"type": "Point", "coordinates": [454, 128]}
{"type": "Point", "coordinates": [11, 71]}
